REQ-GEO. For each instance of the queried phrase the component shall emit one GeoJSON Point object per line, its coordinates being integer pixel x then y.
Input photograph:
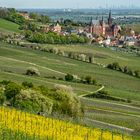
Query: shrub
{"type": "Point", "coordinates": [28, 84]}
{"type": "Point", "coordinates": [129, 100]}
{"type": "Point", "coordinates": [61, 52]}
{"type": "Point", "coordinates": [66, 102]}
{"type": "Point", "coordinates": [114, 66]}
{"type": "Point", "coordinates": [33, 101]}
{"type": "Point", "coordinates": [94, 82]}
{"type": "Point", "coordinates": [103, 92]}
{"type": "Point", "coordinates": [53, 50]}
{"type": "Point", "coordinates": [64, 88]}
{"type": "Point", "coordinates": [5, 82]}
{"type": "Point", "coordinates": [69, 77]}
{"type": "Point", "coordinates": [70, 54]}
{"type": "Point", "coordinates": [110, 66]}
{"type": "Point", "coordinates": [125, 69]}
{"type": "Point", "coordinates": [32, 71]}
{"type": "Point", "coordinates": [130, 72]}
{"type": "Point", "coordinates": [91, 59]}
{"type": "Point", "coordinates": [60, 78]}
{"type": "Point", "coordinates": [11, 90]}
{"type": "Point", "coordinates": [88, 79]}
{"type": "Point", "coordinates": [82, 57]}
{"type": "Point", "coordinates": [136, 73]}
{"type": "Point", "coordinates": [75, 56]}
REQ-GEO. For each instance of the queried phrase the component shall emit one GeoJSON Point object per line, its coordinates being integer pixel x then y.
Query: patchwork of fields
{"type": "Point", "coordinates": [120, 116]}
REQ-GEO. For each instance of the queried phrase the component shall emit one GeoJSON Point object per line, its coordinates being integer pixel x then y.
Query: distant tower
{"type": "Point", "coordinates": [91, 21]}
{"type": "Point", "coordinates": [91, 25]}
{"type": "Point", "coordinates": [110, 18]}
{"type": "Point", "coordinates": [102, 20]}
{"type": "Point", "coordinates": [103, 26]}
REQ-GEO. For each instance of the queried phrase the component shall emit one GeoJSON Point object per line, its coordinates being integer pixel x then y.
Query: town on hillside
{"type": "Point", "coordinates": [99, 31]}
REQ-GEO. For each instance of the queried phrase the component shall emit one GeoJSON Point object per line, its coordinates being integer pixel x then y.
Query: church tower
{"type": "Point", "coordinates": [110, 18]}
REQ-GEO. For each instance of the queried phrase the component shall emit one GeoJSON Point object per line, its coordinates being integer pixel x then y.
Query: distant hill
{"type": "Point", "coordinates": [8, 26]}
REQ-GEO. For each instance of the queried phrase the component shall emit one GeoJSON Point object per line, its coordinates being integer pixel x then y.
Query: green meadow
{"type": "Point", "coordinates": [14, 61]}
{"type": "Point", "coordinates": [8, 27]}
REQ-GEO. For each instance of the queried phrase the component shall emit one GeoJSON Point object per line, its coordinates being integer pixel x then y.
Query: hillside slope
{"type": "Point", "coordinates": [7, 26]}
{"type": "Point", "coordinates": [15, 61]}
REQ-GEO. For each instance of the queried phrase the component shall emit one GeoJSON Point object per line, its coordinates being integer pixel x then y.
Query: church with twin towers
{"type": "Point", "coordinates": [104, 28]}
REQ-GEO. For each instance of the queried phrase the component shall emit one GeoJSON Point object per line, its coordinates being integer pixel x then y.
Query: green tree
{"type": "Point", "coordinates": [34, 16]}
{"type": "Point", "coordinates": [88, 79]}
{"type": "Point", "coordinates": [136, 73]}
{"type": "Point", "coordinates": [11, 90]}
{"type": "Point", "coordinates": [27, 84]}
{"type": "Point", "coordinates": [125, 69]}
{"type": "Point", "coordinates": [91, 59]}
{"type": "Point", "coordinates": [32, 71]}
{"type": "Point", "coordinates": [94, 82]}
{"type": "Point", "coordinates": [69, 77]}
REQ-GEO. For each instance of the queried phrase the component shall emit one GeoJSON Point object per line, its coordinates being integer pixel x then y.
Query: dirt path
{"type": "Point", "coordinates": [33, 64]}
{"type": "Point", "coordinates": [83, 95]}
{"type": "Point", "coordinates": [104, 124]}
{"type": "Point", "coordinates": [108, 125]}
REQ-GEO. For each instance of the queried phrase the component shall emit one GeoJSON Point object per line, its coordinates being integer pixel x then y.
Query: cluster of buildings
{"type": "Point", "coordinates": [100, 27]}
{"type": "Point", "coordinates": [57, 28]}
{"type": "Point", "coordinates": [98, 30]}
{"type": "Point", "coordinates": [109, 33]}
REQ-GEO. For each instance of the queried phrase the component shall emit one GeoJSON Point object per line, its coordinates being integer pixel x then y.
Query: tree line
{"type": "Point", "coordinates": [125, 69]}
{"type": "Point", "coordinates": [54, 38]}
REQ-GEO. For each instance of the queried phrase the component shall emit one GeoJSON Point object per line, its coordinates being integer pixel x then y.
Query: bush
{"type": "Point", "coordinates": [114, 66]}
{"type": "Point", "coordinates": [69, 77]}
{"type": "Point", "coordinates": [61, 52]}
{"type": "Point", "coordinates": [88, 79]}
{"type": "Point", "coordinates": [60, 78]}
{"type": "Point", "coordinates": [125, 69]}
{"type": "Point", "coordinates": [66, 102]}
{"type": "Point", "coordinates": [53, 50]}
{"type": "Point", "coordinates": [129, 100]}
{"type": "Point", "coordinates": [94, 82]}
{"type": "Point", "coordinates": [32, 71]}
{"type": "Point", "coordinates": [104, 95]}
{"type": "Point", "coordinates": [11, 90]}
{"type": "Point", "coordinates": [70, 55]}
{"type": "Point", "coordinates": [82, 57]}
{"type": "Point", "coordinates": [130, 72]}
{"type": "Point", "coordinates": [103, 92]}
{"type": "Point", "coordinates": [64, 88]}
{"type": "Point", "coordinates": [75, 56]}
{"type": "Point", "coordinates": [136, 73]}
{"type": "Point", "coordinates": [5, 82]}
{"type": "Point", "coordinates": [33, 101]}
{"type": "Point", "coordinates": [91, 59]}
{"type": "Point", "coordinates": [28, 84]}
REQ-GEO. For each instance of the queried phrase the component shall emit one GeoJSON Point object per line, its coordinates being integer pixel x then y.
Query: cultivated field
{"type": "Point", "coordinates": [21, 125]}
{"type": "Point", "coordinates": [15, 61]}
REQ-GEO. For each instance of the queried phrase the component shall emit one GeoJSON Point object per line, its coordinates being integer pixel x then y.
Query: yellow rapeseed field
{"type": "Point", "coordinates": [44, 128]}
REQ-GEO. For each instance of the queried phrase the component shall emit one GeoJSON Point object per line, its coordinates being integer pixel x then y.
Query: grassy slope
{"type": "Point", "coordinates": [17, 60]}
{"type": "Point", "coordinates": [117, 83]}
{"type": "Point", "coordinates": [7, 26]}
{"type": "Point", "coordinates": [103, 55]}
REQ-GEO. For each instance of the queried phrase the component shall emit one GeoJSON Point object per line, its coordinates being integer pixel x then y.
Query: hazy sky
{"type": "Point", "coordinates": [67, 3]}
